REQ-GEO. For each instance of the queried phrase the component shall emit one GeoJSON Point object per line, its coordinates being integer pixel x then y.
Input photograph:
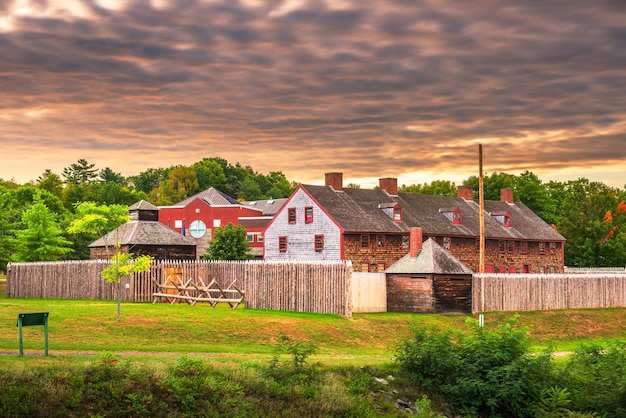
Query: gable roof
{"type": "Point", "coordinates": [211, 196]}
{"type": "Point", "coordinates": [359, 211]}
{"type": "Point", "coordinates": [143, 233]}
{"type": "Point", "coordinates": [432, 259]}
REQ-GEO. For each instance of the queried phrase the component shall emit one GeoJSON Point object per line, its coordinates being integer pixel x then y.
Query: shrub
{"type": "Point", "coordinates": [487, 373]}
{"type": "Point", "coordinates": [596, 379]}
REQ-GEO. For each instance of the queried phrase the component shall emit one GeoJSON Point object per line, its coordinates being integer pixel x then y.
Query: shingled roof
{"type": "Point", "coordinates": [267, 207]}
{"type": "Point", "coordinates": [360, 211]}
{"type": "Point", "coordinates": [142, 205]}
{"type": "Point", "coordinates": [144, 233]}
{"type": "Point", "coordinates": [211, 196]}
{"type": "Point", "coordinates": [432, 259]}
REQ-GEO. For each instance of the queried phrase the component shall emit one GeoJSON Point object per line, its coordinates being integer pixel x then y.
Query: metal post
{"type": "Point", "coordinates": [45, 336]}
{"type": "Point", "coordinates": [19, 334]}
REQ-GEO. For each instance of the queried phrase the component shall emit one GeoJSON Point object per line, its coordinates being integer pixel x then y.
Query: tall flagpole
{"type": "Point", "coordinates": [481, 266]}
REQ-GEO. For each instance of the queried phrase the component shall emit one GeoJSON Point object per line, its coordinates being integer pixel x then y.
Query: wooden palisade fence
{"type": "Point", "coordinates": [321, 287]}
{"type": "Point", "coordinates": [532, 292]}
{"type": "Point", "coordinates": [313, 287]}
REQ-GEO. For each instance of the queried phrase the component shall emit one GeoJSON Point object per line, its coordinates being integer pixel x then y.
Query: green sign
{"type": "Point", "coordinates": [31, 319]}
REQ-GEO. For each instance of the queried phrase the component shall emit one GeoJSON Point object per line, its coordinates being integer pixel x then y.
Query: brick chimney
{"type": "Point", "coordinates": [334, 180]}
{"type": "Point", "coordinates": [506, 195]}
{"type": "Point", "coordinates": [415, 241]}
{"type": "Point", "coordinates": [390, 185]}
{"type": "Point", "coordinates": [466, 192]}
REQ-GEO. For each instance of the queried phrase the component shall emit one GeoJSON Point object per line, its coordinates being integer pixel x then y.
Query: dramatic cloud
{"type": "Point", "coordinates": [374, 89]}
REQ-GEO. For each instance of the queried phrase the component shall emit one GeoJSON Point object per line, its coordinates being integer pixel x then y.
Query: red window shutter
{"type": "Point", "coordinates": [291, 215]}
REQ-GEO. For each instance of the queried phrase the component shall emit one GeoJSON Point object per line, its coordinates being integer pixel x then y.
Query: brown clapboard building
{"type": "Point", "coordinates": [370, 227]}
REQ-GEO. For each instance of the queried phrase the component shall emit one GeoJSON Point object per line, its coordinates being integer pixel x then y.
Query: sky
{"type": "Point", "coordinates": [396, 88]}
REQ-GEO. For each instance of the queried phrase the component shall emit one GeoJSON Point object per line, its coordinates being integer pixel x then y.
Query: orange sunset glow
{"type": "Point", "coordinates": [372, 89]}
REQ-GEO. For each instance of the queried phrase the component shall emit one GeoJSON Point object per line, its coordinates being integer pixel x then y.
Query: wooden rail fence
{"type": "Point", "coordinates": [320, 287]}
{"type": "Point", "coordinates": [532, 292]}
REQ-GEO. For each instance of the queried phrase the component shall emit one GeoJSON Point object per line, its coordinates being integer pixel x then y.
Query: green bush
{"type": "Point", "coordinates": [596, 379]}
{"type": "Point", "coordinates": [485, 373]}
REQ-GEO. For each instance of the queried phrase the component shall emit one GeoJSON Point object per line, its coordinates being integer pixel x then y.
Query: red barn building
{"type": "Point", "coordinates": [197, 217]}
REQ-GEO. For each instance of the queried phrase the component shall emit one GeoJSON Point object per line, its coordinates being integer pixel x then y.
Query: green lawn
{"type": "Point", "coordinates": [221, 332]}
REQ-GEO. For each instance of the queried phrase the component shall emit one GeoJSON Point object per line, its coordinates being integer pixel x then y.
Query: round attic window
{"type": "Point", "coordinates": [197, 229]}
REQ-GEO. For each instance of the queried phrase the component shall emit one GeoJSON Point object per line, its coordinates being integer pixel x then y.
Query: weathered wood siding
{"type": "Point", "coordinates": [373, 259]}
{"type": "Point", "coordinates": [320, 287]}
{"type": "Point", "coordinates": [530, 292]}
{"type": "Point", "coordinates": [452, 293]}
{"type": "Point", "coordinates": [410, 293]}
{"type": "Point", "coordinates": [301, 235]}
{"type": "Point", "coordinates": [466, 251]}
{"type": "Point", "coordinates": [369, 292]}
{"type": "Point", "coordinates": [429, 293]}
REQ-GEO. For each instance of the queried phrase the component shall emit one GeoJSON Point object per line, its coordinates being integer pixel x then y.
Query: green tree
{"type": "Point", "coordinates": [8, 216]}
{"type": "Point", "coordinates": [42, 239]}
{"type": "Point", "coordinates": [80, 172]}
{"type": "Point", "coordinates": [149, 180]}
{"type": "Point", "coordinates": [98, 220]}
{"type": "Point", "coordinates": [279, 186]}
{"type": "Point", "coordinates": [9, 184]}
{"type": "Point", "coordinates": [109, 176]}
{"type": "Point", "coordinates": [586, 219]}
{"type": "Point", "coordinates": [26, 195]}
{"type": "Point", "coordinates": [229, 243]}
{"type": "Point", "coordinates": [50, 182]}
{"type": "Point", "coordinates": [492, 184]}
{"type": "Point", "coordinates": [181, 183]}
{"type": "Point", "coordinates": [435, 188]}
{"type": "Point", "coordinates": [250, 190]}
{"type": "Point", "coordinates": [124, 265]}
{"type": "Point", "coordinates": [530, 191]}
{"type": "Point", "coordinates": [210, 174]}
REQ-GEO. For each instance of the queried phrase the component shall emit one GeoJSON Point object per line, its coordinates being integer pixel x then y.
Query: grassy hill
{"type": "Point", "coordinates": [174, 360]}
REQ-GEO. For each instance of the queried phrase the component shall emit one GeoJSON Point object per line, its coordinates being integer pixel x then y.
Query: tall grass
{"type": "Point", "coordinates": [110, 386]}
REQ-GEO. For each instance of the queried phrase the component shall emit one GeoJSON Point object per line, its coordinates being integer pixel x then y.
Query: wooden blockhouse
{"type": "Point", "coordinates": [428, 280]}
{"type": "Point", "coordinates": [144, 235]}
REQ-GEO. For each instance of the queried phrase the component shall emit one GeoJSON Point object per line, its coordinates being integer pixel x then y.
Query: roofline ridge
{"type": "Point", "coordinates": [133, 231]}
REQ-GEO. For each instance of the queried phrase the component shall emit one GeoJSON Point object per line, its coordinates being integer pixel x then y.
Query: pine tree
{"type": "Point", "coordinates": [42, 239]}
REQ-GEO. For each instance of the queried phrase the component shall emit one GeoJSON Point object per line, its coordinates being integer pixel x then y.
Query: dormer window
{"type": "Point", "coordinates": [453, 215]}
{"type": "Point", "coordinates": [397, 214]}
{"type": "Point", "coordinates": [393, 210]}
{"type": "Point", "coordinates": [503, 218]}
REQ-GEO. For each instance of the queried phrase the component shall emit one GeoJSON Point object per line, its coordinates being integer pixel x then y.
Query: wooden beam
{"type": "Point", "coordinates": [481, 192]}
